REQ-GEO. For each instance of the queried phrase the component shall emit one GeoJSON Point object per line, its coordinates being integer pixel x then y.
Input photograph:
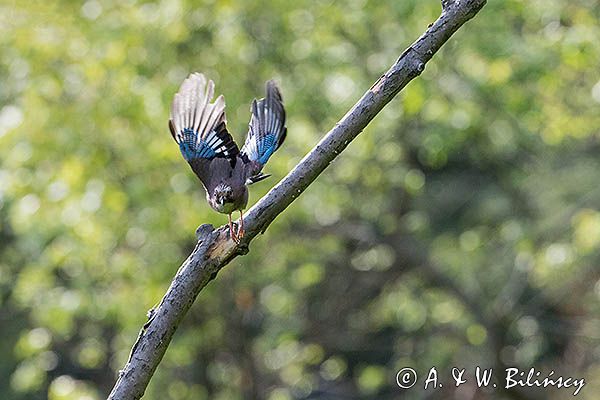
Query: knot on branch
{"type": "Point", "coordinates": [447, 3]}
{"type": "Point", "coordinates": [468, 7]}
{"type": "Point", "coordinates": [204, 231]}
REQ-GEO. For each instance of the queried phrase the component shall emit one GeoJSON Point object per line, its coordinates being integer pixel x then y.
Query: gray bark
{"type": "Point", "coordinates": [215, 249]}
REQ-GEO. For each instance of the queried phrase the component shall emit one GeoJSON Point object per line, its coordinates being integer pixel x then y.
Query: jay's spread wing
{"type": "Point", "coordinates": [266, 132]}
{"type": "Point", "coordinates": [199, 125]}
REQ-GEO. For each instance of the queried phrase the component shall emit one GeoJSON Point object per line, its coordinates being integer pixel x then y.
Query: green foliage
{"type": "Point", "coordinates": [461, 228]}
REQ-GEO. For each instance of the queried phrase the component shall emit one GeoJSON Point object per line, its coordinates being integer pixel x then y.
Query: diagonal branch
{"type": "Point", "coordinates": [215, 250]}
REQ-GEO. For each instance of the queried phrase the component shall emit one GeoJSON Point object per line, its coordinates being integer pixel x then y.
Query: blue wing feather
{"type": "Point", "coordinates": [218, 143]}
{"type": "Point", "coordinates": [192, 148]}
{"type": "Point", "coordinates": [266, 129]}
{"type": "Point", "coordinates": [267, 145]}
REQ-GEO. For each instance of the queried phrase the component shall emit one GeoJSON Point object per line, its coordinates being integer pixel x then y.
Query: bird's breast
{"type": "Point", "coordinates": [225, 208]}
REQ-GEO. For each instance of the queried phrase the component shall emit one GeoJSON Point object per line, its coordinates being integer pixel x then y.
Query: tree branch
{"type": "Point", "coordinates": [215, 250]}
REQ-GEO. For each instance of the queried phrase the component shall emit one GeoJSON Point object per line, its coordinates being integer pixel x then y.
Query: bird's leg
{"type": "Point", "coordinates": [231, 230]}
{"type": "Point", "coordinates": [240, 232]}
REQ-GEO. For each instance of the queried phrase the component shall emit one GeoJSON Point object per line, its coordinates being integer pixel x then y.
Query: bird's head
{"type": "Point", "coordinates": [223, 194]}
{"type": "Point", "coordinates": [222, 198]}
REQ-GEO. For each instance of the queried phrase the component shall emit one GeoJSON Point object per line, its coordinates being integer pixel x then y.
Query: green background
{"type": "Point", "coordinates": [460, 229]}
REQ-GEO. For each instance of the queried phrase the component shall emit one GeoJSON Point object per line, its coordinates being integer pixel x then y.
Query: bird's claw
{"type": "Point", "coordinates": [233, 236]}
{"type": "Point", "coordinates": [236, 234]}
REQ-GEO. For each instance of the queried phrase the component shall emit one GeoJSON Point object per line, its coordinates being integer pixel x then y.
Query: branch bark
{"type": "Point", "coordinates": [214, 249]}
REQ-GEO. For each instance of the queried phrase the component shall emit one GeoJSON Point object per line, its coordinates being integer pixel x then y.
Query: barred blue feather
{"type": "Point", "coordinates": [267, 129]}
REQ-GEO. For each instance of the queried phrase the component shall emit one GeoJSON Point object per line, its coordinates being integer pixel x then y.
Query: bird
{"type": "Point", "coordinates": [199, 126]}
